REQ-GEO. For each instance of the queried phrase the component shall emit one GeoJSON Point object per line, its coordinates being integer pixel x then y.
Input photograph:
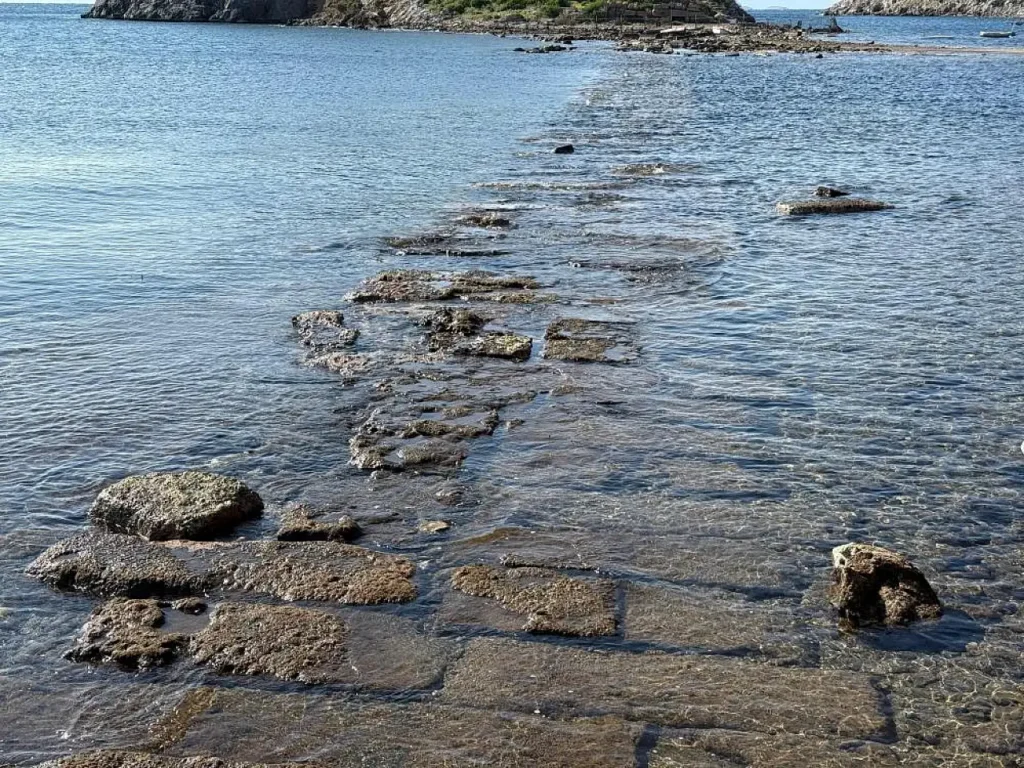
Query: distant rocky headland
{"type": "Point", "coordinates": [435, 14]}
{"type": "Point", "coordinates": [1010, 8]}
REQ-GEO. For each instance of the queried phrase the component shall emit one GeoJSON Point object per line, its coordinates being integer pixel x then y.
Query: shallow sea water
{"type": "Point", "coordinates": [171, 195]}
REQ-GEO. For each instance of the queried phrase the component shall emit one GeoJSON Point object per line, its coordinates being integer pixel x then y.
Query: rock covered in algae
{"type": "Point", "coordinates": [550, 602]}
{"type": "Point", "coordinates": [182, 505]}
{"type": "Point", "coordinates": [127, 633]}
{"type": "Point", "coordinates": [874, 585]}
{"type": "Point", "coordinates": [300, 523]}
{"type": "Point", "coordinates": [115, 564]}
{"type": "Point", "coordinates": [830, 205]}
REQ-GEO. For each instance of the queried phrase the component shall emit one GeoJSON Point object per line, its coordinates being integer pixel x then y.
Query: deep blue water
{"type": "Point", "coordinates": [170, 195]}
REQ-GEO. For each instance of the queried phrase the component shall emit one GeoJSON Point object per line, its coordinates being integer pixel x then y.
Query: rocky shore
{"type": "Point", "coordinates": [1008, 8]}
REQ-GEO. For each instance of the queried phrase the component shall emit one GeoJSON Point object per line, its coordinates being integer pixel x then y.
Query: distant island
{"type": "Point", "coordinates": [422, 14]}
{"type": "Point", "coordinates": [1007, 8]}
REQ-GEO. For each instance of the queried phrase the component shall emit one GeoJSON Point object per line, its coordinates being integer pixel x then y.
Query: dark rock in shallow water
{"type": "Point", "coordinates": [117, 758]}
{"type": "Point", "coordinates": [830, 205]}
{"type": "Point", "coordinates": [421, 286]}
{"type": "Point", "coordinates": [449, 325]}
{"type": "Point", "coordinates": [323, 331]}
{"type": "Point", "coordinates": [587, 341]}
{"type": "Point", "coordinates": [301, 524]}
{"type": "Point", "coordinates": [186, 505]}
{"type": "Point", "coordinates": [113, 564]}
{"type": "Point", "coordinates": [565, 149]}
{"type": "Point", "coordinates": [127, 632]}
{"type": "Point", "coordinates": [829, 191]}
{"type": "Point", "coordinates": [486, 220]}
{"type": "Point", "coordinates": [550, 602]}
{"type": "Point", "coordinates": [872, 585]}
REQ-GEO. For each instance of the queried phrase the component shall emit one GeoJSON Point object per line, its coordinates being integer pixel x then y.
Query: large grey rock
{"type": "Point", "coordinates": [184, 505]}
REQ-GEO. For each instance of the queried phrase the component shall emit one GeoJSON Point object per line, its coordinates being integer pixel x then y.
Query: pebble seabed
{"type": "Point", "coordinates": [507, 591]}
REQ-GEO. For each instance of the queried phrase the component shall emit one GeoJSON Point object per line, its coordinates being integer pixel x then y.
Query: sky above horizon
{"type": "Point", "coordinates": [755, 4]}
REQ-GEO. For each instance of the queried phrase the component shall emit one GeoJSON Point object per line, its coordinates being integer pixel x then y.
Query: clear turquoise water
{"type": "Point", "coordinates": [171, 194]}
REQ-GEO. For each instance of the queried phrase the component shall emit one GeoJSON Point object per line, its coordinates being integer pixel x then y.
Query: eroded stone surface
{"type": "Point", "coordinates": [417, 285]}
{"type": "Point", "coordinates": [587, 341]}
{"type": "Point", "coordinates": [116, 758]}
{"type": "Point", "coordinates": [324, 571]}
{"type": "Point", "coordinates": [873, 585]}
{"type": "Point", "coordinates": [301, 523]}
{"type": "Point", "coordinates": [537, 600]}
{"type": "Point", "coordinates": [248, 726]}
{"type": "Point", "coordinates": [324, 332]}
{"type": "Point", "coordinates": [669, 690]}
{"type": "Point", "coordinates": [503, 345]}
{"type": "Point", "coordinates": [830, 205]}
{"type": "Point", "coordinates": [183, 505]}
{"type": "Point", "coordinates": [127, 633]}
{"type": "Point", "coordinates": [486, 220]}
{"type": "Point", "coordinates": [115, 564]}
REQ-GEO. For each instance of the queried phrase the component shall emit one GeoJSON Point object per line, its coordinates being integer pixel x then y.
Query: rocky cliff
{"type": "Point", "coordinates": [928, 8]}
{"type": "Point", "coordinates": [409, 13]}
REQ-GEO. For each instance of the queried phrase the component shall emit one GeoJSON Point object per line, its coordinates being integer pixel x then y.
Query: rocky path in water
{"type": "Point", "coordinates": [544, 558]}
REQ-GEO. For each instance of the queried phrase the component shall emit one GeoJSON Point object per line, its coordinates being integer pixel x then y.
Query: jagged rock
{"type": "Point", "coordinates": [190, 605]}
{"type": "Point", "coordinates": [873, 585]}
{"type": "Point", "coordinates": [407, 285]}
{"type": "Point", "coordinates": [434, 526]}
{"type": "Point", "coordinates": [486, 220]}
{"type": "Point", "coordinates": [127, 632]}
{"type": "Point", "coordinates": [587, 341]}
{"type": "Point", "coordinates": [507, 346]}
{"type": "Point", "coordinates": [830, 205]}
{"type": "Point", "coordinates": [114, 564]}
{"type": "Point", "coordinates": [323, 331]}
{"type": "Point", "coordinates": [565, 149]}
{"type": "Point", "coordinates": [448, 326]}
{"type": "Point", "coordinates": [251, 11]}
{"type": "Point", "coordinates": [300, 523]}
{"type": "Point", "coordinates": [550, 602]}
{"type": "Point", "coordinates": [183, 505]}
{"type": "Point", "coordinates": [829, 192]}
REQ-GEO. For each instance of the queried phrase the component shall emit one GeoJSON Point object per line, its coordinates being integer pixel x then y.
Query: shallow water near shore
{"type": "Point", "coordinates": [791, 384]}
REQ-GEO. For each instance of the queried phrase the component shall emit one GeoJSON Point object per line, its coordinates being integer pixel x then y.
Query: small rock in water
{"type": "Point", "coordinates": [301, 524]}
{"type": "Point", "coordinates": [829, 191]}
{"type": "Point", "coordinates": [184, 505]}
{"type": "Point", "coordinates": [434, 526]}
{"type": "Point", "coordinates": [873, 585]}
{"type": "Point", "coordinates": [565, 149]}
{"type": "Point", "coordinates": [127, 633]}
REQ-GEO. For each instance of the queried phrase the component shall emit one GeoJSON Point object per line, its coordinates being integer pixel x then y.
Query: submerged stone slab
{"type": "Point", "coordinates": [127, 633]}
{"type": "Point", "coordinates": [534, 600]}
{"type": "Point", "coordinates": [830, 205]}
{"type": "Point", "coordinates": [506, 346]}
{"type": "Point", "coordinates": [117, 758]}
{"type": "Point", "coordinates": [692, 618]}
{"type": "Point", "coordinates": [182, 505]}
{"type": "Point", "coordinates": [323, 571]}
{"type": "Point", "coordinates": [324, 331]}
{"type": "Point", "coordinates": [874, 585]}
{"type": "Point", "coordinates": [668, 690]}
{"type": "Point", "coordinates": [588, 341]}
{"type": "Point", "coordinates": [301, 523]}
{"type": "Point", "coordinates": [249, 726]}
{"type": "Point", "coordinates": [114, 564]}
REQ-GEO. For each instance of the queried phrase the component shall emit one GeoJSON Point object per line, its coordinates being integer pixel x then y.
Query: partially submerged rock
{"type": "Point", "coordinates": [587, 341]}
{"type": "Point", "coordinates": [830, 191]}
{"type": "Point", "coordinates": [550, 602]}
{"type": "Point", "coordinates": [127, 633]}
{"type": "Point", "coordinates": [277, 641]}
{"type": "Point", "coordinates": [300, 523]}
{"type": "Point", "coordinates": [503, 345]}
{"type": "Point", "coordinates": [486, 220]}
{"type": "Point", "coordinates": [324, 571]}
{"type": "Point", "coordinates": [830, 205]}
{"type": "Point", "coordinates": [454, 321]}
{"type": "Point", "coordinates": [434, 526]}
{"type": "Point", "coordinates": [873, 585]}
{"type": "Point", "coordinates": [114, 564]}
{"type": "Point", "coordinates": [405, 285]}
{"type": "Point", "coordinates": [323, 331]}
{"type": "Point", "coordinates": [565, 149]}
{"type": "Point", "coordinates": [118, 758]}
{"type": "Point", "coordinates": [183, 505]}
